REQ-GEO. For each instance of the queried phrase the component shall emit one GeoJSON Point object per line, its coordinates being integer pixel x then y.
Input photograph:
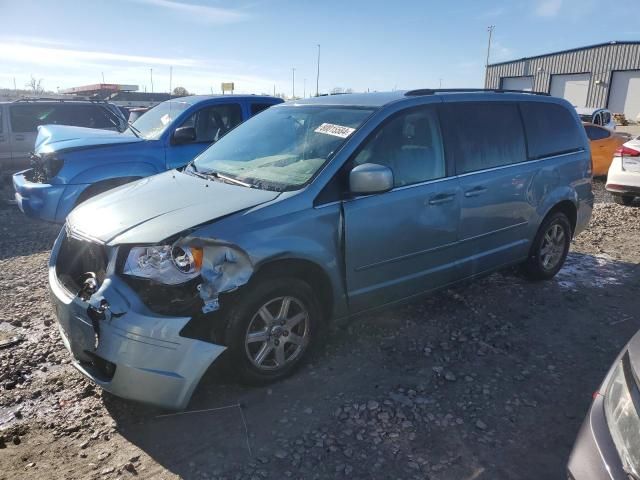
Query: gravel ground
{"type": "Point", "coordinates": [489, 380]}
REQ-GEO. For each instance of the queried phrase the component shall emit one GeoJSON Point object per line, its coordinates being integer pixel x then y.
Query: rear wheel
{"type": "Point", "coordinates": [550, 248]}
{"type": "Point", "coordinates": [271, 329]}
{"type": "Point", "coordinates": [623, 199]}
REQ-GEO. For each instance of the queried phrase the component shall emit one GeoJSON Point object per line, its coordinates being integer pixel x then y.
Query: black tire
{"type": "Point", "coordinates": [240, 314]}
{"type": "Point", "coordinates": [536, 267]}
{"type": "Point", "coordinates": [623, 199]}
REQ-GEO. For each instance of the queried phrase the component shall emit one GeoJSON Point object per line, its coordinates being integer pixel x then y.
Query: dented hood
{"type": "Point", "coordinates": [57, 138]}
{"type": "Point", "coordinates": [154, 208]}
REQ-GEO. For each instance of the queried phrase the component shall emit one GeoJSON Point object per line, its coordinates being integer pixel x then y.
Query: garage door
{"type": "Point", "coordinates": [517, 83]}
{"type": "Point", "coordinates": [572, 88]}
{"type": "Point", "coordinates": [624, 96]}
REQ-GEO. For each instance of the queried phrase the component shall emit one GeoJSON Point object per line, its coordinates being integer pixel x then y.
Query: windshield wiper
{"type": "Point", "coordinates": [232, 180]}
{"type": "Point", "coordinates": [135, 131]}
{"type": "Point", "coordinates": [191, 166]}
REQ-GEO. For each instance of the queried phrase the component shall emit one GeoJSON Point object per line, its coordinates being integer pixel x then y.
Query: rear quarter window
{"type": "Point", "coordinates": [551, 129]}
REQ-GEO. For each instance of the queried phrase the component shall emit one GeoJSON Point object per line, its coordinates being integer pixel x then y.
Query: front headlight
{"type": "Point", "coordinates": [168, 264]}
{"type": "Point", "coordinates": [622, 417]}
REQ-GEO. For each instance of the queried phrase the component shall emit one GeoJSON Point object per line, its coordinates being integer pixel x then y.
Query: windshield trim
{"type": "Point", "coordinates": [283, 187]}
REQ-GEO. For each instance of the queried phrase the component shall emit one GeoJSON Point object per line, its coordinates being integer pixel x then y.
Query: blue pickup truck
{"type": "Point", "coordinates": [72, 164]}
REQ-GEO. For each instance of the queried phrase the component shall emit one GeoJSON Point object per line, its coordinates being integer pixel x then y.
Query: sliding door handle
{"type": "Point", "coordinates": [441, 198]}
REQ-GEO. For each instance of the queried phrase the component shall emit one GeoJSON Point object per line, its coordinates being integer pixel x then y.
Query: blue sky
{"type": "Point", "coordinates": [376, 45]}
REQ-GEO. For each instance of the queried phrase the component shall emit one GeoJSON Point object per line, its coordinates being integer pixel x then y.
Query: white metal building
{"type": "Point", "coordinates": [603, 75]}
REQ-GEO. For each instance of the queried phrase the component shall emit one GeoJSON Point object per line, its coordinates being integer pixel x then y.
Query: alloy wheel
{"type": "Point", "coordinates": [278, 333]}
{"type": "Point", "coordinates": [552, 247]}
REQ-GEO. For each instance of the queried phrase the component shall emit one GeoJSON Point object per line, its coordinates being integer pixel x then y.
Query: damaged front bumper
{"type": "Point", "coordinates": [125, 348]}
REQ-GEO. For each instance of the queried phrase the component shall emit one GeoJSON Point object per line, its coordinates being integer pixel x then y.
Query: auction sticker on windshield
{"type": "Point", "coordinates": [335, 130]}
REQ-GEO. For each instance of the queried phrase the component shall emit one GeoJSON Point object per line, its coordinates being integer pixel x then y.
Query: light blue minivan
{"type": "Point", "coordinates": [72, 164]}
{"type": "Point", "coordinates": [316, 209]}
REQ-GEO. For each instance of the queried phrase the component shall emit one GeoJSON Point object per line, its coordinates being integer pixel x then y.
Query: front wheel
{"type": "Point", "coordinates": [550, 248]}
{"type": "Point", "coordinates": [271, 328]}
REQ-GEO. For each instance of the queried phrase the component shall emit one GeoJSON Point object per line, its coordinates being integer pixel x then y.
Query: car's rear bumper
{"type": "Point", "coordinates": [623, 181]}
{"type": "Point", "coordinates": [130, 352]}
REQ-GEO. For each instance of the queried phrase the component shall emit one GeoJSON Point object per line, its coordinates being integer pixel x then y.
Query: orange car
{"type": "Point", "coordinates": [604, 144]}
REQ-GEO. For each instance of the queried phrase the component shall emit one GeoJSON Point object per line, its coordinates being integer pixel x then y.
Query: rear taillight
{"type": "Point", "coordinates": [627, 152]}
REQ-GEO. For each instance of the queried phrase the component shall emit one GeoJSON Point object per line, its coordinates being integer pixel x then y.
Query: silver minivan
{"type": "Point", "coordinates": [313, 210]}
{"type": "Point", "coordinates": [19, 121]}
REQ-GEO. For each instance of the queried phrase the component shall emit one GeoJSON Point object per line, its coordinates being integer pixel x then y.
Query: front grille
{"type": "Point", "coordinates": [78, 258]}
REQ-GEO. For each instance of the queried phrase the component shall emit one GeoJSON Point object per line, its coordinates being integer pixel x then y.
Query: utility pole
{"type": "Point", "coordinates": [441, 83]}
{"type": "Point", "coordinates": [103, 78]}
{"type": "Point", "coordinates": [15, 88]}
{"type": "Point", "coordinates": [318, 74]}
{"type": "Point", "coordinates": [293, 83]}
{"type": "Point", "coordinates": [304, 88]}
{"type": "Point", "coordinates": [274, 89]}
{"type": "Point", "coordinates": [151, 72]}
{"type": "Point", "coordinates": [170, 79]}
{"type": "Point", "coordinates": [490, 29]}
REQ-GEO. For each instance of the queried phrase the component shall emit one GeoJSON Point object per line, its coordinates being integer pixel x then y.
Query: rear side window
{"type": "Point", "coordinates": [596, 133]}
{"type": "Point", "coordinates": [482, 135]}
{"type": "Point", "coordinates": [27, 118]}
{"type": "Point", "coordinates": [551, 129]}
{"type": "Point", "coordinates": [256, 108]}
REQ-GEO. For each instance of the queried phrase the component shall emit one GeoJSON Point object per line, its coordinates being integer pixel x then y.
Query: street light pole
{"type": "Point", "coordinates": [293, 83]}
{"type": "Point", "coordinates": [151, 73]}
{"type": "Point", "coordinates": [304, 88]}
{"type": "Point", "coordinates": [490, 29]}
{"type": "Point", "coordinates": [318, 73]}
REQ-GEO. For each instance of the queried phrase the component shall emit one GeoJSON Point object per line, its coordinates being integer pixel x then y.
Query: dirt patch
{"type": "Point", "coordinates": [487, 380]}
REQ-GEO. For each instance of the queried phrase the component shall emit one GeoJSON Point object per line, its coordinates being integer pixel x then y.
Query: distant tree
{"type": "Point", "coordinates": [180, 92]}
{"type": "Point", "coordinates": [35, 86]}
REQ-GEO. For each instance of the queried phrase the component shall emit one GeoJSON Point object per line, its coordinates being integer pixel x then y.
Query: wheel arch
{"type": "Point", "coordinates": [305, 270]}
{"type": "Point", "coordinates": [567, 207]}
{"type": "Point", "coordinates": [103, 186]}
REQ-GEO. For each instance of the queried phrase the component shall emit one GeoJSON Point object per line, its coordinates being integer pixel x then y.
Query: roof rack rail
{"type": "Point", "coordinates": [61, 100]}
{"type": "Point", "coordinates": [432, 91]}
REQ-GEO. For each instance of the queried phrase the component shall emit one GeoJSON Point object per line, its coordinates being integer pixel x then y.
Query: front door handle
{"type": "Point", "coordinates": [19, 137]}
{"type": "Point", "coordinates": [474, 192]}
{"type": "Point", "coordinates": [441, 198]}
{"type": "Point", "coordinates": [1, 138]}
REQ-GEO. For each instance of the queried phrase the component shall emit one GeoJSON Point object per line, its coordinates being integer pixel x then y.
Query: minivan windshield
{"type": "Point", "coordinates": [283, 147]}
{"type": "Point", "coordinates": [151, 125]}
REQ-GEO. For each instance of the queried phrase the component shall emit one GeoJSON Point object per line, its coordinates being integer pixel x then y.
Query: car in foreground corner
{"type": "Point", "coordinates": [73, 164]}
{"type": "Point", "coordinates": [608, 443]}
{"type": "Point", "coordinates": [623, 179]}
{"type": "Point", "coordinates": [317, 209]}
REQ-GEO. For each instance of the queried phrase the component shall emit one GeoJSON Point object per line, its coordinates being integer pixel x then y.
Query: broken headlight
{"type": "Point", "coordinates": [168, 264]}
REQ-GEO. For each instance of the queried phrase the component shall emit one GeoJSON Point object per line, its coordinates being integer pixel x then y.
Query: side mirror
{"type": "Point", "coordinates": [184, 135]}
{"type": "Point", "coordinates": [370, 178]}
